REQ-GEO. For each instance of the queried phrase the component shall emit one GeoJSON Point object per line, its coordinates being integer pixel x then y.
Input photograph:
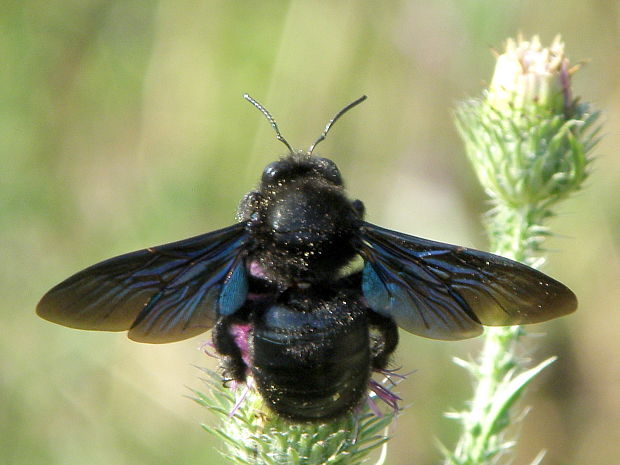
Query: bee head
{"type": "Point", "coordinates": [301, 220]}
{"type": "Point", "coordinates": [304, 201]}
{"type": "Point", "coordinates": [298, 165]}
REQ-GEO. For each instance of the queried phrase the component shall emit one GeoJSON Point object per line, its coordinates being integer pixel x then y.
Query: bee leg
{"type": "Point", "coordinates": [230, 340]}
{"type": "Point", "coordinates": [383, 339]}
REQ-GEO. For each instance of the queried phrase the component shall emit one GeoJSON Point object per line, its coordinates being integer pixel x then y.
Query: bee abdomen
{"type": "Point", "coordinates": [310, 368]}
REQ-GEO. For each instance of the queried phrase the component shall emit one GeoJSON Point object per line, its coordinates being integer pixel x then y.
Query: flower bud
{"type": "Point", "coordinates": [527, 138]}
{"type": "Point", "coordinates": [529, 75]}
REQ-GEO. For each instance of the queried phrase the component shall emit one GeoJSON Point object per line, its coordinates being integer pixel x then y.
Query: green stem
{"type": "Point", "coordinates": [517, 232]}
{"type": "Point", "coordinates": [479, 440]}
{"type": "Point", "coordinates": [510, 231]}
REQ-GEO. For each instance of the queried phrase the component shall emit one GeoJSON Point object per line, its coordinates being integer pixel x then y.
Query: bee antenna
{"type": "Point", "coordinates": [272, 121]}
{"type": "Point", "coordinates": [333, 120]}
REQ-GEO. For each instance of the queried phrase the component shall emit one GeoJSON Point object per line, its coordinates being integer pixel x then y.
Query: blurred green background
{"type": "Point", "coordinates": [122, 126]}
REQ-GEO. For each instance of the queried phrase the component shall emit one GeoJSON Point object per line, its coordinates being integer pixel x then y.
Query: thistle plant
{"type": "Point", "coordinates": [529, 141]}
{"type": "Point", "coordinates": [252, 435]}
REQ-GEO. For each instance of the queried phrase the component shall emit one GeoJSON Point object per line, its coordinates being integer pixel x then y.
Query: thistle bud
{"type": "Point", "coordinates": [528, 141]}
{"type": "Point", "coordinates": [527, 138]}
{"type": "Point", "coordinates": [253, 435]}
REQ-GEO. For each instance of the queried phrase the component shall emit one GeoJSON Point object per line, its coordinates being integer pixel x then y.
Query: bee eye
{"type": "Point", "coordinates": [359, 208]}
{"type": "Point", "coordinates": [330, 171]}
{"type": "Point", "coordinates": [271, 173]}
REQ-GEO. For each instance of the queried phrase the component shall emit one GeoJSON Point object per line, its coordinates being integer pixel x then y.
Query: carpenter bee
{"type": "Point", "coordinates": [283, 309]}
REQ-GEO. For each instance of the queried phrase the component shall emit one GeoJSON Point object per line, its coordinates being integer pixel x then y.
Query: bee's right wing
{"type": "Point", "coordinates": [160, 294]}
{"type": "Point", "coordinates": [443, 291]}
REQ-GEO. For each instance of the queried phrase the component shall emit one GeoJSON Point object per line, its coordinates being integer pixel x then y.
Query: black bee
{"type": "Point", "coordinates": [283, 309]}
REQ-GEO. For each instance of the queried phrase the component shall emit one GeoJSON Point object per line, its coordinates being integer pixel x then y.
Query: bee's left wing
{"type": "Point", "coordinates": [160, 294]}
{"type": "Point", "coordinates": [444, 291]}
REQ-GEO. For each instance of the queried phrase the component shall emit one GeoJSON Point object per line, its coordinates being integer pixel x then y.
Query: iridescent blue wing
{"type": "Point", "coordinates": [444, 291]}
{"type": "Point", "coordinates": [160, 294]}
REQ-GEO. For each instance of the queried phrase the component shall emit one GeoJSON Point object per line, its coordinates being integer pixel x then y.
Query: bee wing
{"type": "Point", "coordinates": [160, 294]}
{"type": "Point", "coordinates": [444, 291]}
